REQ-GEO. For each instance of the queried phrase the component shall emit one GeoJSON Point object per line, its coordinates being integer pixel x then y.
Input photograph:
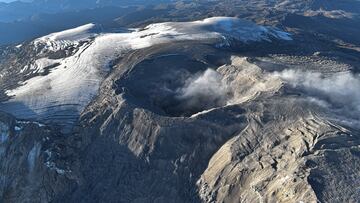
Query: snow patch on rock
{"type": "Point", "coordinates": [30, 122]}
{"type": "Point", "coordinates": [40, 66]}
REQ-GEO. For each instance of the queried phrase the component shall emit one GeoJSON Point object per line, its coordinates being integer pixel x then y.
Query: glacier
{"type": "Point", "coordinates": [74, 81]}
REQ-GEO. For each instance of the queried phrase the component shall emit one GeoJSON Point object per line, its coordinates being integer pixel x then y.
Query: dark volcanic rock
{"type": "Point", "coordinates": [193, 120]}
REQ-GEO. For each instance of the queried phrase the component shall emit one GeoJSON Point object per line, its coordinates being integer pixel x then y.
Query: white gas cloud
{"type": "Point", "coordinates": [341, 91]}
{"type": "Point", "coordinates": [204, 91]}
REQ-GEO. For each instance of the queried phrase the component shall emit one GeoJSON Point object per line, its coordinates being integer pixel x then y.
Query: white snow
{"type": "Point", "coordinates": [30, 122]}
{"type": "Point", "coordinates": [78, 33]}
{"type": "Point", "coordinates": [211, 28]}
{"type": "Point", "coordinates": [240, 29]}
{"type": "Point", "coordinates": [52, 166]}
{"type": "Point", "coordinates": [69, 87]}
{"type": "Point", "coordinates": [39, 65]}
{"type": "Point", "coordinates": [61, 40]}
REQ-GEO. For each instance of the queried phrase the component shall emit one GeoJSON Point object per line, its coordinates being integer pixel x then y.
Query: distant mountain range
{"type": "Point", "coordinates": [21, 21]}
{"type": "Point", "coordinates": [20, 10]}
{"type": "Point", "coordinates": [24, 20]}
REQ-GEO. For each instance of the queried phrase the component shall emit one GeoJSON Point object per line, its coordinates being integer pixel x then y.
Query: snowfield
{"type": "Point", "coordinates": [63, 93]}
{"type": "Point", "coordinates": [62, 40]}
{"type": "Point", "coordinates": [220, 28]}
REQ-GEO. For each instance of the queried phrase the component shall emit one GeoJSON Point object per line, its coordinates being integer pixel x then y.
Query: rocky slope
{"type": "Point", "coordinates": [215, 110]}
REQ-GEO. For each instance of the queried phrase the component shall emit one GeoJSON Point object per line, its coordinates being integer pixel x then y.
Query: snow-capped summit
{"type": "Point", "coordinates": [215, 28]}
{"type": "Point", "coordinates": [73, 81]}
{"type": "Point", "coordinates": [61, 40]}
{"type": "Point", "coordinates": [74, 34]}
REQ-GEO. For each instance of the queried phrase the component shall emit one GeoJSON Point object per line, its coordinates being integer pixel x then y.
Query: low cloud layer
{"type": "Point", "coordinates": [338, 91]}
{"type": "Point", "coordinates": [203, 91]}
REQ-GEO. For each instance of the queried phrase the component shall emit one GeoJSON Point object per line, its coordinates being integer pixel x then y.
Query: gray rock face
{"type": "Point", "coordinates": [265, 145]}
{"type": "Point", "coordinates": [28, 169]}
{"type": "Point", "coordinates": [245, 151]}
{"type": "Point", "coordinates": [194, 121]}
{"type": "Point", "coordinates": [284, 166]}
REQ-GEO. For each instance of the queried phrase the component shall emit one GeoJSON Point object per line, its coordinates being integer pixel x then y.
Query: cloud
{"type": "Point", "coordinates": [203, 91]}
{"type": "Point", "coordinates": [339, 91]}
